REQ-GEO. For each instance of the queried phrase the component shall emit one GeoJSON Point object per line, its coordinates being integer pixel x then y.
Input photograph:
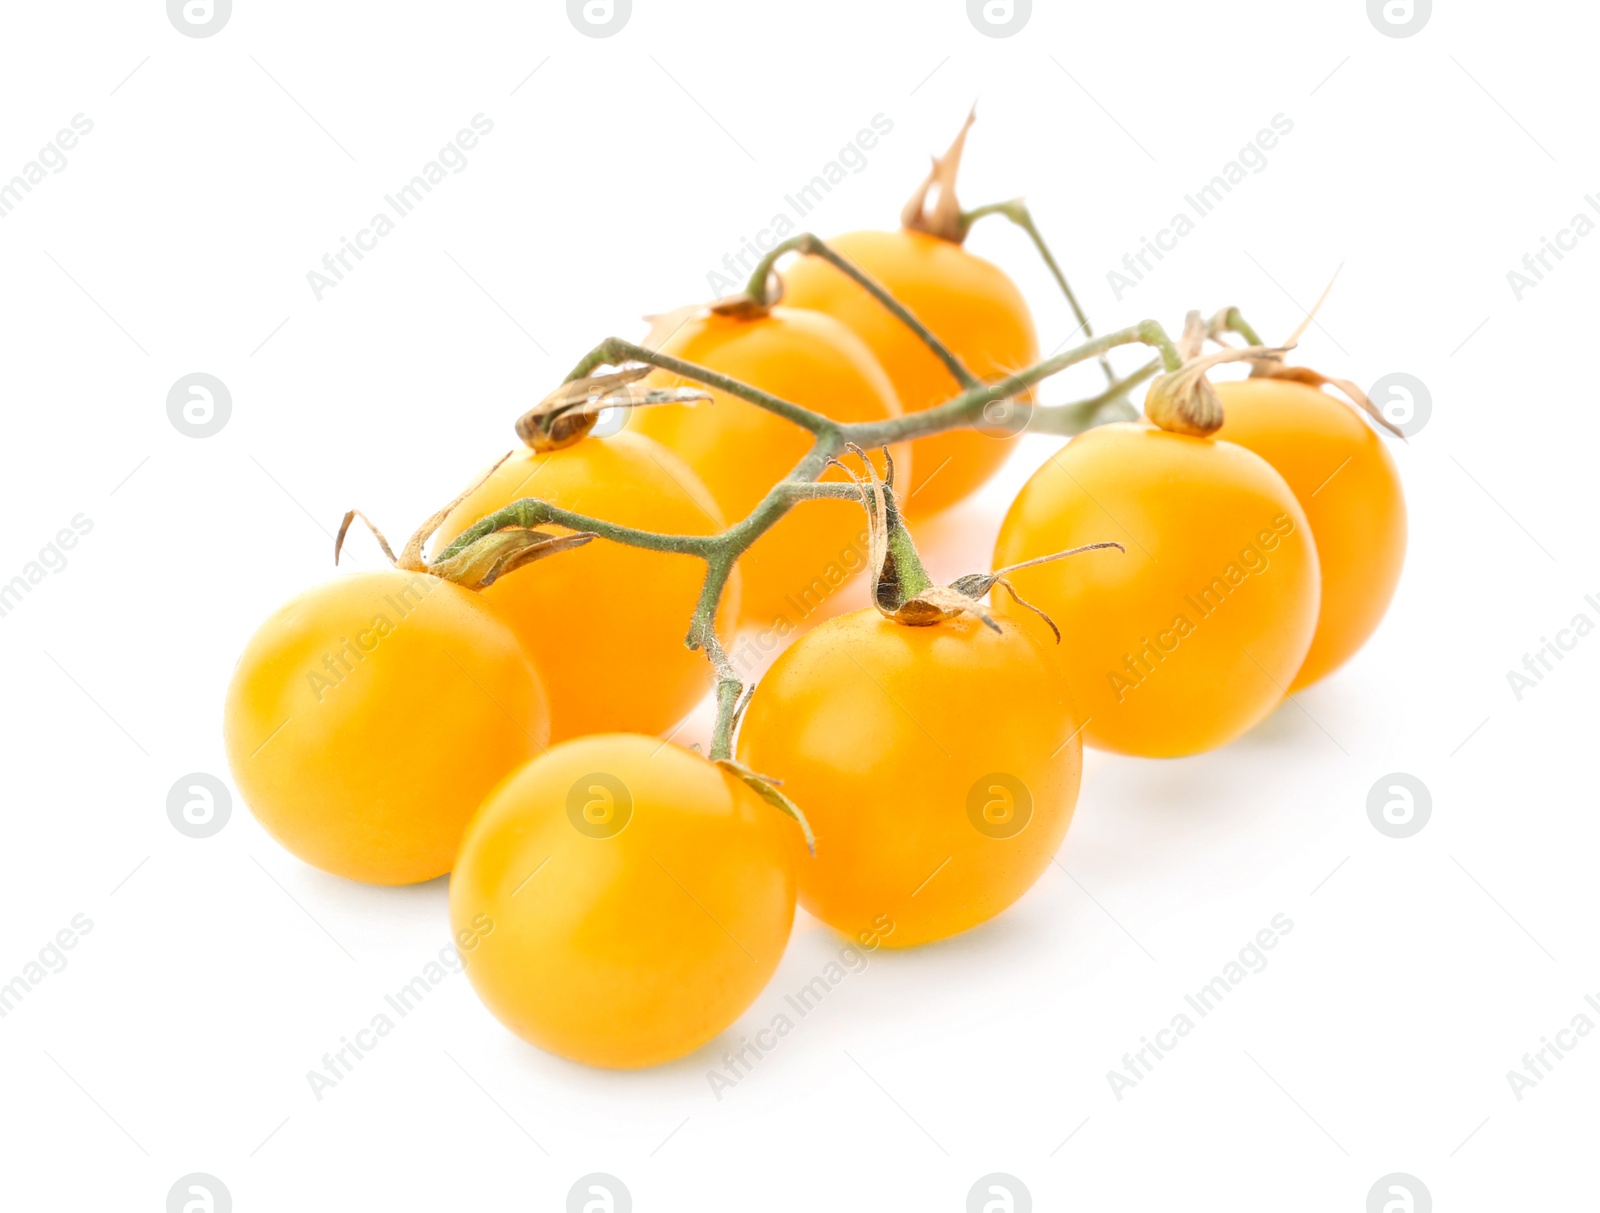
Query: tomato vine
{"type": "Point", "coordinates": [831, 440]}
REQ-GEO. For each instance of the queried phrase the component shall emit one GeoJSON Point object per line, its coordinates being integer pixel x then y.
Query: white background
{"type": "Point", "coordinates": [219, 971]}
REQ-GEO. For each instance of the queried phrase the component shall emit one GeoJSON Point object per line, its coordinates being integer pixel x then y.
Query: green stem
{"type": "Point", "coordinates": [801, 483]}
{"type": "Point", "coordinates": [1233, 321]}
{"type": "Point", "coordinates": [967, 407]}
{"type": "Point", "coordinates": [811, 246]}
{"type": "Point", "coordinates": [1017, 211]}
{"type": "Point", "coordinates": [614, 351]}
{"type": "Point", "coordinates": [1065, 420]}
{"type": "Point", "coordinates": [721, 551]}
{"type": "Point", "coordinates": [729, 688]}
{"type": "Point", "coordinates": [532, 512]}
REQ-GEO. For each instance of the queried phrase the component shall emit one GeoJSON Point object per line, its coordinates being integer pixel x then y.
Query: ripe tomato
{"type": "Point", "coordinates": [1195, 633]}
{"type": "Point", "coordinates": [968, 303]}
{"type": "Point", "coordinates": [620, 901]}
{"type": "Point", "coordinates": [1347, 483]}
{"type": "Point", "coordinates": [605, 623]}
{"type": "Point", "coordinates": [938, 767]}
{"type": "Point", "coordinates": [367, 718]}
{"type": "Point", "coordinates": [741, 451]}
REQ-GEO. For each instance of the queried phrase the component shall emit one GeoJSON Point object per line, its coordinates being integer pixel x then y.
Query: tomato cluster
{"type": "Point", "coordinates": [621, 900]}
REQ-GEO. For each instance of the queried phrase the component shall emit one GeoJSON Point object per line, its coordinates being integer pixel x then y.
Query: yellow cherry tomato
{"type": "Point", "coordinates": [938, 767]}
{"type": "Point", "coordinates": [619, 901]}
{"type": "Point", "coordinates": [1346, 481]}
{"type": "Point", "coordinates": [740, 451]}
{"type": "Point", "coordinates": [968, 303]}
{"type": "Point", "coordinates": [605, 623]}
{"type": "Point", "coordinates": [368, 717]}
{"type": "Point", "coordinates": [1194, 634]}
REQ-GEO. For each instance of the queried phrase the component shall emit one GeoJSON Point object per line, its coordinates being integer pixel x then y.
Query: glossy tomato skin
{"type": "Point", "coordinates": [1191, 636]}
{"type": "Point", "coordinates": [1346, 481]}
{"type": "Point", "coordinates": [740, 451]}
{"type": "Point", "coordinates": [605, 623]}
{"type": "Point", "coordinates": [938, 767]}
{"type": "Point", "coordinates": [619, 901]}
{"type": "Point", "coordinates": [968, 303]}
{"type": "Point", "coordinates": [367, 718]}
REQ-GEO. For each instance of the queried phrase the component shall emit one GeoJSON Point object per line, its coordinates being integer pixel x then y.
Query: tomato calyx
{"type": "Point", "coordinates": [479, 564]}
{"type": "Point", "coordinates": [742, 305]}
{"type": "Point", "coordinates": [1269, 364]}
{"type": "Point", "coordinates": [976, 585]}
{"type": "Point", "coordinates": [1268, 368]}
{"type": "Point", "coordinates": [902, 589]}
{"type": "Point", "coordinates": [569, 413]}
{"type": "Point", "coordinates": [943, 219]}
{"type": "Point", "coordinates": [1183, 401]}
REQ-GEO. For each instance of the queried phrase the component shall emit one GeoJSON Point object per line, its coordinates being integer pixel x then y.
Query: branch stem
{"type": "Point", "coordinates": [1231, 320]}
{"type": "Point", "coordinates": [811, 246]}
{"type": "Point", "coordinates": [803, 483]}
{"type": "Point", "coordinates": [614, 351]}
{"type": "Point", "coordinates": [1017, 211]}
{"type": "Point", "coordinates": [968, 407]}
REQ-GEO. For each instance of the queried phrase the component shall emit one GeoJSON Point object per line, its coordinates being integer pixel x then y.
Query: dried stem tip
{"type": "Point", "coordinates": [943, 218]}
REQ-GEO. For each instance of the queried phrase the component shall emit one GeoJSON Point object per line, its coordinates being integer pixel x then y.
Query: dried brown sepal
{"type": "Point", "coordinates": [484, 562]}
{"type": "Point", "coordinates": [899, 582]}
{"type": "Point", "coordinates": [976, 585]}
{"type": "Point", "coordinates": [892, 583]}
{"type": "Point", "coordinates": [902, 589]}
{"type": "Point", "coordinates": [411, 559]}
{"type": "Point", "coordinates": [744, 306]}
{"type": "Point", "coordinates": [938, 603]}
{"type": "Point", "coordinates": [1191, 342]}
{"type": "Point", "coordinates": [1184, 402]}
{"type": "Point", "coordinates": [767, 788]}
{"type": "Point", "coordinates": [1274, 368]}
{"type": "Point", "coordinates": [943, 219]}
{"type": "Point", "coordinates": [344, 529]}
{"type": "Point", "coordinates": [480, 563]}
{"type": "Point", "coordinates": [1023, 602]}
{"type": "Point", "coordinates": [567, 414]}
